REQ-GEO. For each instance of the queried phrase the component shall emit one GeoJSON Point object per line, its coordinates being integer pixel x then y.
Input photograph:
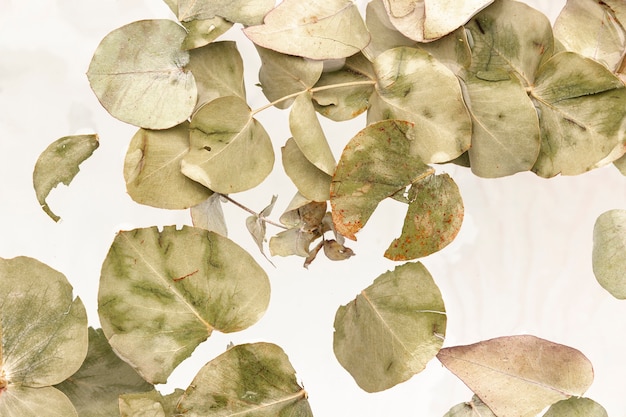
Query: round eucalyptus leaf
{"type": "Point", "coordinates": [230, 151]}
{"type": "Point", "coordinates": [474, 408]}
{"type": "Point", "coordinates": [138, 74]}
{"type": "Point", "coordinates": [163, 292]}
{"type": "Point", "coordinates": [204, 31]}
{"type": "Point", "coordinates": [238, 11]}
{"type": "Point", "coordinates": [310, 181]}
{"type": "Point", "coordinates": [609, 252]}
{"type": "Point", "coordinates": [392, 329]}
{"type": "Point", "coordinates": [24, 401]}
{"type": "Point", "coordinates": [43, 328]}
{"type": "Point", "coordinates": [152, 169]}
{"type": "Point", "coordinates": [256, 380]}
{"type": "Point", "coordinates": [576, 407]}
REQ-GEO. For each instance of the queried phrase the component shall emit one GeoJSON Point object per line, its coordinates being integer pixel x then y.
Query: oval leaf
{"type": "Point", "coordinates": [238, 11]}
{"type": "Point", "coordinates": [518, 376]}
{"type": "Point", "coordinates": [149, 404]}
{"type": "Point", "coordinates": [609, 252]}
{"type": "Point", "coordinates": [152, 169]}
{"type": "Point", "coordinates": [36, 402]}
{"type": "Point", "coordinates": [474, 408]}
{"type": "Point", "coordinates": [432, 221]}
{"type": "Point", "coordinates": [137, 72]}
{"type": "Point", "coordinates": [204, 31]}
{"type": "Point", "coordinates": [253, 379]}
{"type": "Point", "coordinates": [576, 407]}
{"type": "Point", "coordinates": [377, 163]}
{"type": "Point", "coordinates": [311, 182]}
{"type": "Point", "coordinates": [331, 29]}
{"type": "Point", "coordinates": [58, 163]}
{"type": "Point", "coordinates": [230, 151]}
{"type": "Point", "coordinates": [162, 293]}
{"type": "Point", "coordinates": [392, 329]}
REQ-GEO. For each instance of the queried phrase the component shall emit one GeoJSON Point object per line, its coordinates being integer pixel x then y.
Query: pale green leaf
{"type": "Point", "coordinates": [173, 5]}
{"type": "Point", "coordinates": [590, 28]}
{"type": "Point", "coordinates": [303, 211]}
{"type": "Point", "coordinates": [230, 151]}
{"type": "Point", "coordinates": [432, 221]}
{"type": "Point", "coordinates": [255, 380]}
{"type": "Point", "coordinates": [582, 115]}
{"type": "Point", "coordinates": [428, 20]}
{"type": "Point", "coordinates": [518, 376]}
{"type": "Point", "coordinates": [609, 252]}
{"type": "Point", "coordinates": [204, 31]}
{"type": "Point", "coordinates": [292, 241]}
{"type": "Point", "coordinates": [35, 402]}
{"type": "Point", "coordinates": [162, 293]}
{"type": "Point", "coordinates": [94, 389]}
{"type": "Point", "coordinates": [209, 215]}
{"type": "Point", "coordinates": [308, 134]}
{"type": "Point", "coordinates": [576, 407]}
{"type": "Point", "coordinates": [620, 164]}
{"type": "Point", "coordinates": [311, 182]}
{"type": "Point", "coordinates": [474, 408]}
{"type": "Point", "coordinates": [58, 163]}
{"type": "Point", "coordinates": [149, 404]}
{"type": "Point", "coordinates": [138, 74]}
{"type": "Point", "coordinates": [256, 225]}
{"type": "Point", "coordinates": [329, 29]}
{"type": "Point", "coordinates": [377, 163]}
{"type": "Point", "coordinates": [305, 221]}
{"type": "Point", "coordinates": [392, 329]}
{"type": "Point", "coordinates": [282, 75]}
{"type": "Point", "coordinates": [238, 11]}
{"type": "Point", "coordinates": [43, 328]}
{"type": "Point", "coordinates": [384, 34]}
{"type": "Point", "coordinates": [218, 70]}
{"type": "Point", "coordinates": [453, 50]}
{"type": "Point", "coordinates": [413, 86]}
{"type": "Point", "coordinates": [152, 169]}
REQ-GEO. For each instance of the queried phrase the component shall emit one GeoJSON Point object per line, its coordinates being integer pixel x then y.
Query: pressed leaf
{"type": "Point", "coordinates": [203, 32]}
{"type": "Point", "coordinates": [384, 34]}
{"type": "Point", "coordinates": [311, 182]}
{"type": "Point", "coordinates": [283, 75]}
{"type": "Point", "coordinates": [162, 293]}
{"type": "Point", "coordinates": [94, 389]}
{"type": "Point", "coordinates": [453, 50]}
{"type": "Point", "coordinates": [149, 404]}
{"type": "Point", "coordinates": [44, 329]}
{"type": "Point", "coordinates": [308, 134]}
{"type": "Point", "coordinates": [413, 86]}
{"type": "Point", "coordinates": [474, 408]}
{"type": "Point", "coordinates": [428, 20]}
{"type": "Point", "coordinates": [256, 380]}
{"type": "Point", "coordinates": [36, 402]}
{"type": "Point", "coordinates": [138, 74]}
{"type": "Point", "coordinates": [209, 215]}
{"type": "Point", "coordinates": [377, 163]}
{"type": "Point", "coordinates": [432, 221]}
{"type": "Point", "coordinates": [238, 11]}
{"type": "Point", "coordinates": [218, 70]}
{"type": "Point", "coordinates": [329, 29]}
{"type": "Point", "coordinates": [609, 252]}
{"type": "Point", "coordinates": [576, 407]}
{"type": "Point", "coordinates": [256, 225]}
{"type": "Point", "coordinates": [518, 376]}
{"type": "Point", "coordinates": [304, 219]}
{"type": "Point", "coordinates": [230, 151]}
{"type": "Point", "coordinates": [152, 169]}
{"type": "Point", "coordinates": [620, 164]}
{"type": "Point", "coordinates": [392, 329]}
{"type": "Point", "coordinates": [58, 163]}
{"type": "Point", "coordinates": [591, 28]}
{"type": "Point", "coordinates": [582, 115]}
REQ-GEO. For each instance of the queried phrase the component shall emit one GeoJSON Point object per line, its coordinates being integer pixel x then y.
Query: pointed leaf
{"type": "Point", "coordinates": [413, 86]}
{"type": "Point", "coordinates": [330, 29]}
{"type": "Point", "coordinates": [311, 182]}
{"type": "Point", "coordinates": [582, 115]}
{"type": "Point", "coordinates": [58, 163]}
{"type": "Point", "coordinates": [152, 169]}
{"type": "Point", "coordinates": [256, 225]}
{"type": "Point", "coordinates": [237, 11]}
{"type": "Point", "coordinates": [203, 32]}
{"type": "Point", "coordinates": [149, 404]}
{"type": "Point", "coordinates": [474, 408]}
{"type": "Point", "coordinates": [137, 72]}
{"type": "Point", "coordinates": [43, 328]}
{"type": "Point", "coordinates": [209, 215]}
{"type": "Point", "coordinates": [432, 221]}
{"type": "Point", "coordinates": [230, 151]}
{"type": "Point", "coordinates": [94, 389]}
{"type": "Point", "coordinates": [518, 376]}
{"type": "Point", "coordinates": [36, 402]}
{"type": "Point", "coordinates": [292, 241]}
{"type": "Point", "coordinates": [283, 75]}
{"type": "Point", "coordinates": [162, 293]}
{"type": "Point", "coordinates": [576, 407]}
{"type": "Point", "coordinates": [377, 163]}
{"type": "Point", "coordinates": [609, 252]}
{"type": "Point", "coordinates": [392, 329]}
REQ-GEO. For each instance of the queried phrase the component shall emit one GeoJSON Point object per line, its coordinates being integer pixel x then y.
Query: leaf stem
{"type": "Point", "coordinates": [254, 213]}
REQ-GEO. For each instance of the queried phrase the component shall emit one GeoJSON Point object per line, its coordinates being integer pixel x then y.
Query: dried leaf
{"type": "Point", "coordinates": [310, 181]}
{"type": "Point", "coordinates": [384, 33]}
{"type": "Point", "coordinates": [209, 215]}
{"type": "Point", "coordinates": [36, 402]}
{"type": "Point", "coordinates": [336, 251]}
{"type": "Point", "coordinates": [576, 407]}
{"type": "Point", "coordinates": [203, 32]}
{"type": "Point", "coordinates": [474, 408]}
{"type": "Point", "coordinates": [256, 226]}
{"type": "Point", "coordinates": [609, 252]}
{"type": "Point", "coordinates": [149, 404]}
{"type": "Point", "coordinates": [237, 11]}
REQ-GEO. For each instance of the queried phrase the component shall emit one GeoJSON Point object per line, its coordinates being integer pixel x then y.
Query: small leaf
{"type": "Point", "coordinates": [253, 379]}
{"type": "Point", "coordinates": [152, 169]}
{"type": "Point", "coordinates": [432, 221]}
{"type": "Point", "coordinates": [304, 219]}
{"type": "Point", "coordinates": [58, 163]}
{"type": "Point", "coordinates": [209, 215]}
{"type": "Point", "coordinates": [230, 151]}
{"type": "Point", "coordinates": [311, 182]}
{"type": "Point", "coordinates": [336, 251]}
{"type": "Point", "coordinates": [331, 29]}
{"type": "Point", "coordinates": [474, 408]}
{"type": "Point", "coordinates": [377, 163]}
{"type": "Point", "coordinates": [256, 225]}
{"type": "Point", "coordinates": [138, 74]}
{"type": "Point", "coordinates": [392, 329]}
{"type": "Point", "coordinates": [36, 402]}
{"type": "Point", "coordinates": [204, 31]}
{"type": "Point", "coordinates": [237, 11]}
{"type": "Point", "coordinates": [162, 293]}
{"type": "Point", "coordinates": [149, 404]}
{"type": "Point", "coordinates": [283, 75]}
{"type": "Point", "coordinates": [609, 252]}
{"type": "Point", "coordinates": [576, 407]}
{"type": "Point", "coordinates": [94, 389]}
{"type": "Point", "coordinates": [518, 376]}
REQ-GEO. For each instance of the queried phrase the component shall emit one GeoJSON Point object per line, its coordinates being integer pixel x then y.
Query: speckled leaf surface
{"type": "Point", "coordinates": [576, 407]}
{"type": "Point", "coordinates": [609, 252]}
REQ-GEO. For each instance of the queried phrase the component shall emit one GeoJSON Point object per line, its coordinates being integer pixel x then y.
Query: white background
{"type": "Point", "coordinates": [520, 265]}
